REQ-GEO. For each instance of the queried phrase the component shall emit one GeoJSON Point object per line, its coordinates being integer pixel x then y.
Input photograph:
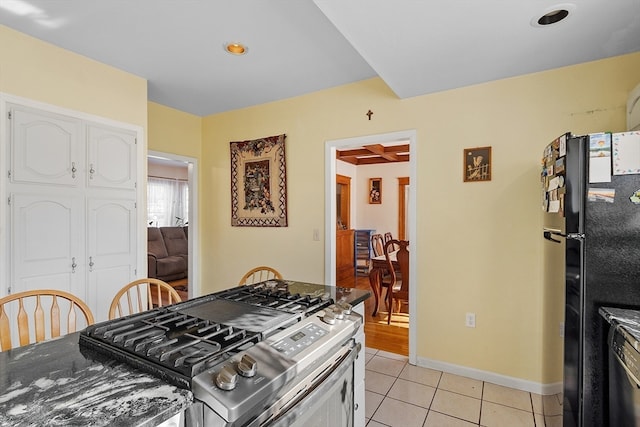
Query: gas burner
{"type": "Point", "coordinates": [281, 295]}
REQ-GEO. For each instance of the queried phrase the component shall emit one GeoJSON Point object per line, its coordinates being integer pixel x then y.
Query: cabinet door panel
{"type": "Point", "coordinates": [111, 251]}
{"type": "Point", "coordinates": [45, 242]}
{"type": "Point", "coordinates": [45, 147]}
{"type": "Point", "coordinates": [112, 158]}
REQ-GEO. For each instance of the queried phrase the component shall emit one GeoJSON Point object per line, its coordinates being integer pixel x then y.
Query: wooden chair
{"type": "Point", "coordinates": [259, 274]}
{"type": "Point", "coordinates": [388, 236]}
{"type": "Point", "coordinates": [399, 287]}
{"type": "Point", "coordinates": [49, 306]}
{"type": "Point", "coordinates": [377, 244]}
{"type": "Point", "coordinates": [142, 295]}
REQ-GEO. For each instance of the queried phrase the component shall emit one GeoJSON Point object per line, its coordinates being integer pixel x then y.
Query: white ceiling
{"type": "Point", "coordinates": [301, 46]}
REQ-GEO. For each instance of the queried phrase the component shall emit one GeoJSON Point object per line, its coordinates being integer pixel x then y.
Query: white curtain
{"type": "Point", "coordinates": [167, 202]}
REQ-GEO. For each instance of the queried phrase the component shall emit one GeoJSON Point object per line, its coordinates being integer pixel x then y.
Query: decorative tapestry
{"type": "Point", "coordinates": [258, 183]}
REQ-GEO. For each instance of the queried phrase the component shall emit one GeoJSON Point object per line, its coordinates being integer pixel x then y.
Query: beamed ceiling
{"type": "Point", "coordinates": [374, 154]}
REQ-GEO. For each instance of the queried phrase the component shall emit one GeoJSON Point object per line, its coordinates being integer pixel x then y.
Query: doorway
{"type": "Point", "coordinates": [191, 164]}
{"type": "Point", "coordinates": [331, 212]}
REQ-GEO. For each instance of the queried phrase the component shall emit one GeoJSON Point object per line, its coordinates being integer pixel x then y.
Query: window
{"type": "Point", "coordinates": [167, 202]}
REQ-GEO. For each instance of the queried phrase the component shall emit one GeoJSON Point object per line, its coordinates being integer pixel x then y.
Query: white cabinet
{"type": "Point", "coordinates": [45, 147]}
{"type": "Point", "coordinates": [72, 194]}
{"type": "Point", "coordinates": [44, 244]}
{"type": "Point", "coordinates": [111, 158]}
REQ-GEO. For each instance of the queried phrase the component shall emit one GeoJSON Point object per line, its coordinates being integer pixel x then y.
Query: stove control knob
{"type": "Point", "coordinates": [227, 378]}
{"type": "Point", "coordinates": [346, 308]}
{"type": "Point", "coordinates": [338, 313]}
{"type": "Point", "coordinates": [329, 317]}
{"type": "Point", "coordinates": [247, 366]}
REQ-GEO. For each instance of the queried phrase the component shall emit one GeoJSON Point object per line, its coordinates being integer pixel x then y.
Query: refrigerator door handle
{"type": "Point", "coordinates": [548, 232]}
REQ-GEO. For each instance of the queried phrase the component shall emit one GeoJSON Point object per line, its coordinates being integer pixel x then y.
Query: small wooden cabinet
{"type": "Point", "coordinates": [362, 251]}
{"type": "Point", "coordinates": [344, 259]}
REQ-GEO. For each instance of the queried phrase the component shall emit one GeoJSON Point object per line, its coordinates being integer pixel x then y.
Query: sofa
{"type": "Point", "coordinates": [167, 253]}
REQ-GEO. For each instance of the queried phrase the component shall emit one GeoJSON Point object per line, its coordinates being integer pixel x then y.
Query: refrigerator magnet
{"type": "Point", "coordinates": [601, 195]}
{"type": "Point", "coordinates": [635, 197]}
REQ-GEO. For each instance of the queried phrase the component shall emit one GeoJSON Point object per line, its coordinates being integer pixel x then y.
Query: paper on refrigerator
{"type": "Point", "coordinates": [626, 153]}
{"type": "Point", "coordinates": [599, 157]}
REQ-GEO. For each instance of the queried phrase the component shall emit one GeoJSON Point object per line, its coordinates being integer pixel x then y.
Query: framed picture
{"type": "Point", "coordinates": [477, 164]}
{"type": "Point", "coordinates": [375, 190]}
{"type": "Point", "coordinates": [258, 183]}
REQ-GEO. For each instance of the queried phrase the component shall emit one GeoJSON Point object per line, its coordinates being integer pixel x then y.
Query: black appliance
{"type": "Point", "coordinates": [250, 354]}
{"type": "Point", "coordinates": [601, 226]}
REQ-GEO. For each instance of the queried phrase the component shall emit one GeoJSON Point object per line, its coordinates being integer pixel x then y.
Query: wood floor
{"type": "Point", "coordinates": [393, 338]}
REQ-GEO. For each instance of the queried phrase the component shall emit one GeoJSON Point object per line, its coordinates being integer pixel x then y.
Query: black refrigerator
{"type": "Point", "coordinates": [592, 182]}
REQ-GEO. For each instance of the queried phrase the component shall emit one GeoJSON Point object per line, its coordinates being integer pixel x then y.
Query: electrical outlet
{"type": "Point", "coordinates": [470, 320]}
{"type": "Point", "coordinates": [316, 234]}
{"type": "Point", "coordinates": [561, 329]}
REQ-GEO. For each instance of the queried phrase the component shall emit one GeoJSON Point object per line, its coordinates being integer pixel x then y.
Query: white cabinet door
{"type": "Point", "coordinates": [47, 246]}
{"type": "Point", "coordinates": [45, 147]}
{"type": "Point", "coordinates": [111, 158]}
{"type": "Point", "coordinates": [111, 250]}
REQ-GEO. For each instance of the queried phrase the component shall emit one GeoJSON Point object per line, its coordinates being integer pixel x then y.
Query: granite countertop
{"type": "Point", "coordinates": [628, 319]}
{"type": "Point", "coordinates": [57, 383]}
{"type": "Point", "coordinates": [352, 296]}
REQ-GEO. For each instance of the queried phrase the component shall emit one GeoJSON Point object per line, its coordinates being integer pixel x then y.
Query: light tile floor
{"type": "Point", "coordinates": [403, 395]}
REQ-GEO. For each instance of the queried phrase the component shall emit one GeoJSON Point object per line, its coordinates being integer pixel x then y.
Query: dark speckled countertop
{"type": "Point", "coordinates": [628, 319]}
{"type": "Point", "coordinates": [59, 383]}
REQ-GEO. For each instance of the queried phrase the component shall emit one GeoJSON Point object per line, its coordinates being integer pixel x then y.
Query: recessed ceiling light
{"type": "Point", "coordinates": [553, 15]}
{"type": "Point", "coordinates": [235, 48]}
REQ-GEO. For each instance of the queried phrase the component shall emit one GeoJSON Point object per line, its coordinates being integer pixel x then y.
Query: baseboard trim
{"type": "Point", "coordinates": [492, 377]}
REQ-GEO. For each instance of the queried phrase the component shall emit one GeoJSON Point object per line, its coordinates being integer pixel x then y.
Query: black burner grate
{"type": "Point", "coordinates": [173, 340]}
{"type": "Point", "coordinates": [276, 294]}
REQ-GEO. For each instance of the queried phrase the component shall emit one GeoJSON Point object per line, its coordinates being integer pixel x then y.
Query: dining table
{"type": "Point", "coordinates": [380, 267]}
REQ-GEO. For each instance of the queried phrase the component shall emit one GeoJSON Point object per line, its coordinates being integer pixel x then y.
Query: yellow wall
{"type": "Point", "coordinates": [174, 131]}
{"type": "Point", "coordinates": [43, 72]}
{"type": "Point", "coordinates": [479, 245]}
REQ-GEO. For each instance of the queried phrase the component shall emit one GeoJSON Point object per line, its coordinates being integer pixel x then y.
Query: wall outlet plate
{"type": "Point", "coordinates": [470, 320]}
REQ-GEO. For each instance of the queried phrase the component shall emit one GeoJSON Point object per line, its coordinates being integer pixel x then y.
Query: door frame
{"type": "Point", "coordinates": [194, 223]}
{"type": "Point", "coordinates": [331, 147]}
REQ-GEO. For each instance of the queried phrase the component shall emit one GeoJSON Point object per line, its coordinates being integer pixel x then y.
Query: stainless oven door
{"type": "Point", "coordinates": [327, 401]}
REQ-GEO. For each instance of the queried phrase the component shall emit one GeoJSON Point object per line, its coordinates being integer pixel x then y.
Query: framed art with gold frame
{"type": "Point", "coordinates": [477, 164]}
{"type": "Point", "coordinates": [375, 191]}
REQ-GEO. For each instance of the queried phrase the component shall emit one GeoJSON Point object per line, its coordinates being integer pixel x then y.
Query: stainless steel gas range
{"type": "Point", "coordinates": [254, 355]}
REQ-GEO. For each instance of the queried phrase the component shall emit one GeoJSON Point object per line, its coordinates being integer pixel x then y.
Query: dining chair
{"type": "Point", "coordinates": [49, 307]}
{"type": "Point", "coordinates": [142, 295]}
{"type": "Point", "coordinates": [377, 244]}
{"type": "Point", "coordinates": [388, 236]}
{"type": "Point", "coordinates": [399, 285]}
{"type": "Point", "coordinates": [259, 274]}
